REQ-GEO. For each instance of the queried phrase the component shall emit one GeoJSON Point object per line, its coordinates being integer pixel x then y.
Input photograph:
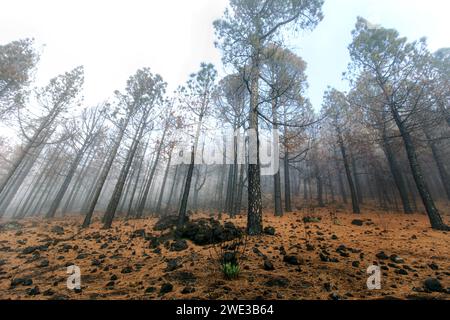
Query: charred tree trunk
{"type": "Point", "coordinates": [277, 176]}
{"type": "Point", "coordinates": [358, 188]}
{"type": "Point", "coordinates": [397, 175]}
{"type": "Point", "coordinates": [117, 193]}
{"type": "Point", "coordinates": [445, 179]}
{"type": "Point", "coordinates": [354, 196]}
{"type": "Point", "coordinates": [59, 196]}
{"type": "Point", "coordinates": [163, 186]}
{"type": "Point", "coordinates": [103, 176]}
{"type": "Point", "coordinates": [174, 183]}
{"type": "Point", "coordinates": [254, 210]}
{"type": "Point", "coordinates": [433, 214]}
{"type": "Point", "coordinates": [187, 187]}
{"type": "Point", "coordinates": [141, 207]}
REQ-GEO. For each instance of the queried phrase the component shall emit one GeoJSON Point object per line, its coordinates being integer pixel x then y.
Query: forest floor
{"type": "Point", "coordinates": [120, 264]}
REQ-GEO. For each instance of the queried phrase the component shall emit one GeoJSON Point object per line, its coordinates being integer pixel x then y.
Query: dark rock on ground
{"type": "Point", "coordinates": [12, 225]}
{"type": "Point", "coordinates": [204, 232]}
{"type": "Point", "coordinates": [178, 245]}
{"type": "Point", "coordinates": [127, 270]}
{"type": "Point", "coordinates": [382, 256]}
{"type": "Point", "coordinates": [402, 272]}
{"type": "Point", "coordinates": [355, 264]}
{"type": "Point", "coordinates": [57, 230]}
{"type": "Point", "coordinates": [172, 264]}
{"type": "Point", "coordinates": [292, 260]}
{"type": "Point", "coordinates": [154, 242]}
{"type": "Point", "coordinates": [44, 263]}
{"type": "Point", "coordinates": [150, 290]}
{"type": "Point", "coordinates": [48, 293]}
{"type": "Point", "coordinates": [183, 277]}
{"type": "Point", "coordinates": [312, 219]}
{"type": "Point", "coordinates": [269, 231]}
{"type": "Point", "coordinates": [21, 281]}
{"type": "Point", "coordinates": [96, 262]}
{"type": "Point", "coordinates": [277, 282]}
{"type": "Point", "coordinates": [396, 259]}
{"type": "Point", "coordinates": [335, 296]}
{"type": "Point", "coordinates": [268, 265]}
{"type": "Point", "coordinates": [188, 290]}
{"type": "Point", "coordinates": [81, 256]}
{"type": "Point", "coordinates": [165, 288]}
{"type": "Point", "coordinates": [33, 291]}
{"type": "Point", "coordinates": [433, 285]}
{"type": "Point", "coordinates": [167, 222]}
{"type": "Point", "coordinates": [357, 222]}
{"type": "Point", "coordinates": [433, 266]}
{"type": "Point", "coordinates": [138, 234]}
{"type": "Point", "coordinates": [32, 249]}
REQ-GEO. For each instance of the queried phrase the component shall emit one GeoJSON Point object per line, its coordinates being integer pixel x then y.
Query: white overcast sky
{"type": "Point", "coordinates": [112, 39]}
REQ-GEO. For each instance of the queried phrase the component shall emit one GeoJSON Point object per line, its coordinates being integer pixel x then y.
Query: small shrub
{"type": "Point", "coordinates": [231, 271]}
{"type": "Point", "coordinates": [228, 256]}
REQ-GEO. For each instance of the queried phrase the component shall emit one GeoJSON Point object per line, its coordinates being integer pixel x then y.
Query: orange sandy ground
{"type": "Point", "coordinates": [391, 233]}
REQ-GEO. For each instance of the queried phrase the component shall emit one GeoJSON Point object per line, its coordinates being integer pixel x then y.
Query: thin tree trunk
{"type": "Point", "coordinates": [52, 211]}
{"type": "Point", "coordinates": [163, 186]}
{"type": "Point", "coordinates": [397, 175]}
{"type": "Point", "coordinates": [104, 176]}
{"type": "Point", "coordinates": [433, 214]}
{"type": "Point", "coordinates": [355, 204]}
{"type": "Point", "coordinates": [117, 193]}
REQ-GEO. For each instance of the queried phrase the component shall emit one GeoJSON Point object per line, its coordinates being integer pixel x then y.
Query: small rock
{"type": "Point", "coordinates": [357, 222]}
{"type": "Point", "coordinates": [48, 292]}
{"type": "Point", "coordinates": [402, 272]}
{"type": "Point", "coordinates": [334, 296]}
{"type": "Point", "coordinates": [32, 249]}
{"type": "Point", "coordinates": [21, 281]}
{"type": "Point", "coordinates": [44, 263]}
{"type": "Point", "coordinates": [268, 265]}
{"type": "Point", "coordinates": [33, 291]}
{"type": "Point", "coordinates": [96, 262]}
{"type": "Point", "coordinates": [277, 282]}
{"type": "Point", "coordinates": [150, 290]}
{"type": "Point", "coordinates": [269, 231]}
{"type": "Point", "coordinates": [81, 256]}
{"type": "Point", "coordinates": [433, 266]}
{"type": "Point", "coordinates": [172, 264]}
{"type": "Point", "coordinates": [433, 285]}
{"type": "Point", "coordinates": [188, 290]}
{"type": "Point", "coordinates": [127, 270]}
{"type": "Point", "coordinates": [396, 259]}
{"type": "Point", "coordinates": [138, 234]}
{"type": "Point", "coordinates": [382, 256]}
{"type": "Point", "coordinates": [57, 230]}
{"type": "Point", "coordinates": [178, 245]}
{"type": "Point", "coordinates": [292, 260]}
{"type": "Point", "coordinates": [165, 288]}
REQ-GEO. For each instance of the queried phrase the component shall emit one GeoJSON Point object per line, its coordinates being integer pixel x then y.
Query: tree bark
{"type": "Point", "coordinates": [52, 211]}
{"type": "Point", "coordinates": [354, 196]}
{"type": "Point", "coordinates": [397, 175]}
{"type": "Point", "coordinates": [433, 214]}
